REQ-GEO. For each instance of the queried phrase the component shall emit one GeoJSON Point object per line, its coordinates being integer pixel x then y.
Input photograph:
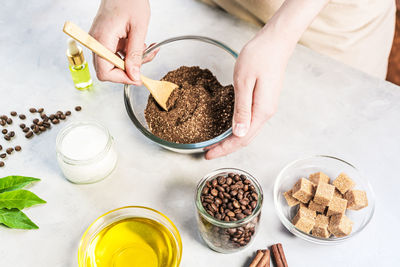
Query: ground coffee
{"type": "Point", "coordinates": [199, 110]}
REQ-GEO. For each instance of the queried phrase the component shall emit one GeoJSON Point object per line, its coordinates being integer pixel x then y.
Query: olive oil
{"type": "Point", "coordinates": [133, 242]}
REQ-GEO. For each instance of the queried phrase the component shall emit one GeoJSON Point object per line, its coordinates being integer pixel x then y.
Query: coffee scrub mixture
{"type": "Point", "coordinates": [199, 110]}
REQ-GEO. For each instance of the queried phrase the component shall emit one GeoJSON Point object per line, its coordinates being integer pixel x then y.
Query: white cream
{"type": "Point", "coordinates": [85, 152]}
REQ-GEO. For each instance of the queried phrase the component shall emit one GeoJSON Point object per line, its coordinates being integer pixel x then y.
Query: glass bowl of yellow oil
{"type": "Point", "coordinates": [131, 236]}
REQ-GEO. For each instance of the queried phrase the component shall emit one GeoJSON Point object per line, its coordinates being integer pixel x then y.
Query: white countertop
{"type": "Point", "coordinates": [325, 108]}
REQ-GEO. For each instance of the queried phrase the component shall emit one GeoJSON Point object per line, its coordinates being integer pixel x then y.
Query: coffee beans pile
{"type": "Point", "coordinates": [229, 198]}
{"type": "Point", "coordinates": [39, 125]}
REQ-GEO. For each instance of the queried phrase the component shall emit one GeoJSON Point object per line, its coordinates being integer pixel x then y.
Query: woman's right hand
{"type": "Point", "coordinates": [121, 26]}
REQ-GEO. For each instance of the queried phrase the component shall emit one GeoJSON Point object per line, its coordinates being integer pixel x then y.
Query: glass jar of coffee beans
{"type": "Point", "coordinates": [228, 203]}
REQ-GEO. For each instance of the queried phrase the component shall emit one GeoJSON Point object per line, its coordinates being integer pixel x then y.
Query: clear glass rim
{"type": "Point", "coordinates": [64, 131]}
{"type": "Point", "coordinates": [155, 138]}
{"type": "Point", "coordinates": [175, 234]}
{"type": "Point", "coordinates": [324, 241]}
{"type": "Point", "coordinates": [220, 223]}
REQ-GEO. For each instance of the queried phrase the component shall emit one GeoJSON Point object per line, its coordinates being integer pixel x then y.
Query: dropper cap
{"type": "Point", "coordinates": [74, 53]}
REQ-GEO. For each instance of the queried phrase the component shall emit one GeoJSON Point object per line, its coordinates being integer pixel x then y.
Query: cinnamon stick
{"type": "Point", "coordinates": [265, 260]}
{"type": "Point", "coordinates": [279, 255]}
{"type": "Point", "coordinates": [257, 258]}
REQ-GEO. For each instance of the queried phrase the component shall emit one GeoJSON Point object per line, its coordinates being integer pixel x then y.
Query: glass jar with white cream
{"type": "Point", "coordinates": [85, 152]}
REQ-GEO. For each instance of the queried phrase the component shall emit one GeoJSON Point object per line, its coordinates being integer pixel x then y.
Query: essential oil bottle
{"type": "Point", "coordinates": [78, 66]}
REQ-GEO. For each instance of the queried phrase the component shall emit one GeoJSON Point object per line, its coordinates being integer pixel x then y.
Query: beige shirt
{"type": "Point", "coordinates": [356, 32]}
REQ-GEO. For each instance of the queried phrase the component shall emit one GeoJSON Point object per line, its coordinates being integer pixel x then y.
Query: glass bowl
{"type": "Point", "coordinates": [331, 166]}
{"type": "Point", "coordinates": [85, 252]}
{"type": "Point", "coordinates": [174, 53]}
{"type": "Point", "coordinates": [217, 234]}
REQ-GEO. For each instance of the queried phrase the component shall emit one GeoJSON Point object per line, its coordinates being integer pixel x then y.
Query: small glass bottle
{"type": "Point", "coordinates": [78, 66]}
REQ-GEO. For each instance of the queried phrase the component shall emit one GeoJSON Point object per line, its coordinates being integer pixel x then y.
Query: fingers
{"type": "Point", "coordinates": [264, 106]}
{"type": "Point", "coordinates": [106, 71]}
{"type": "Point", "coordinates": [243, 101]}
{"type": "Point", "coordinates": [133, 60]}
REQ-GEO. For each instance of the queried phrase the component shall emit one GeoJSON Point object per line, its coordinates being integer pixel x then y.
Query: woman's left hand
{"type": "Point", "coordinates": [258, 77]}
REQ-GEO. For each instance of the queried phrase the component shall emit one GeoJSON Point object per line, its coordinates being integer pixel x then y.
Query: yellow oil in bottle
{"type": "Point", "coordinates": [133, 242]}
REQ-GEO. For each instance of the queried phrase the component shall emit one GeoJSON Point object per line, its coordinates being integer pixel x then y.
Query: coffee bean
{"type": "Point", "coordinates": [9, 121]}
{"type": "Point", "coordinates": [43, 116]}
{"type": "Point", "coordinates": [9, 150]}
{"type": "Point", "coordinates": [46, 124]}
{"type": "Point", "coordinates": [22, 125]}
{"type": "Point", "coordinates": [67, 113]}
{"type": "Point", "coordinates": [55, 121]}
{"type": "Point", "coordinates": [78, 108]}
{"type": "Point", "coordinates": [247, 212]}
{"type": "Point", "coordinates": [230, 213]}
{"type": "Point", "coordinates": [25, 130]}
{"type": "Point", "coordinates": [1, 147]}
{"type": "Point", "coordinates": [29, 134]}
{"type": "Point", "coordinates": [13, 113]}
{"type": "Point", "coordinates": [32, 110]}
{"type": "Point", "coordinates": [236, 204]}
{"type": "Point", "coordinates": [3, 155]}
{"type": "Point", "coordinates": [35, 121]}
{"type": "Point", "coordinates": [62, 117]}
{"type": "Point", "coordinates": [42, 128]}
{"type": "Point", "coordinates": [220, 188]}
{"type": "Point", "coordinates": [4, 131]}
{"type": "Point", "coordinates": [214, 192]}
{"type": "Point", "coordinates": [52, 116]}
{"type": "Point", "coordinates": [22, 116]}
{"type": "Point", "coordinates": [218, 201]}
{"type": "Point", "coordinates": [40, 123]}
{"type": "Point", "coordinates": [40, 110]}
{"type": "Point", "coordinates": [1, 164]}
{"type": "Point", "coordinates": [214, 183]}
{"type": "Point", "coordinates": [205, 190]}
{"type": "Point", "coordinates": [12, 134]}
{"type": "Point", "coordinates": [17, 148]}
{"type": "Point", "coordinates": [2, 122]}
{"type": "Point", "coordinates": [36, 129]}
{"type": "Point", "coordinates": [4, 117]}
{"type": "Point", "coordinates": [8, 138]}
{"type": "Point", "coordinates": [253, 204]}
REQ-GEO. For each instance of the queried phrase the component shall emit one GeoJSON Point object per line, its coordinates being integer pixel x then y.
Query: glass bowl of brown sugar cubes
{"type": "Point", "coordinates": [323, 199]}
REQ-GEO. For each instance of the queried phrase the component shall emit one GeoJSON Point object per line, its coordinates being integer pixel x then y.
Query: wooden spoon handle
{"type": "Point", "coordinates": [85, 39]}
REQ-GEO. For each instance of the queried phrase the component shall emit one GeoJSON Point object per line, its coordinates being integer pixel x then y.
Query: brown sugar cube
{"type": "Point", "coordinates": [343, 183]}
{"type": "Point", "coordinates": [337, 206]}
{"type": "Point", "coordinates": [305, 211]}
{"type": "Point", "coordinates": [320, 228]}
{"type": "Point", "coordinates": [303, 221]}
{"type": "Point", "coordinates": [340, 225]}
{"type": "Point", "coordinates": [316, 207]}
{"type": "Point", "coordinates": [303, 190]}
{"type": "Point", "coordinates": [324, 194]}
{"type": "Point", "coordinates": [318, 177]}
{"type": "Point", "coordinates": [356, 199]}
{"type": "Point", "coordinates": [337, 193]}
{"type": "Point", "coordinates": [291, 201]}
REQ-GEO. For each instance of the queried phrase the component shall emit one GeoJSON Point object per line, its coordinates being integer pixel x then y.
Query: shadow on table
{"type": "Point", "coordinates": [178, 200]}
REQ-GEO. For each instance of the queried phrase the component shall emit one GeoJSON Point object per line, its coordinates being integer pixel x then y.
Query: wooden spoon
{"type": "Point", "coordinates": [160, 90]}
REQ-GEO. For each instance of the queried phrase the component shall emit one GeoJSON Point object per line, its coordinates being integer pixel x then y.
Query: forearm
{"type": "Point", "coordinates": [292, 19]}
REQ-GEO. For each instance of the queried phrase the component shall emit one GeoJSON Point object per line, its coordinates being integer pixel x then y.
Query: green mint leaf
{"type": "Point", "coordinates": [15, 218]}
{"type": "Point", "coordinates": [14, 182]}
{"type": "Point", "coordinates": [19, 199]}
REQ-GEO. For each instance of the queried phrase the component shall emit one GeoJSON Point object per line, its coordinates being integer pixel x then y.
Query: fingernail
{"type": "Point", "coordinates": [240, 129]}
{"type": "Point", "coordinates": [136, 74]}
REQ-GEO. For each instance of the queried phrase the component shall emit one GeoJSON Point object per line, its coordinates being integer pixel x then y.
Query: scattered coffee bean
{"type": "Point", "coordinates": [22, 125]}
{"type": "Point", "coordinates": [29, 134]}
{"type": "Point", "coordinates": [9, 121]}
{"type": "Point", "coordinates": [12, 134]}
{"type": "Point", "coordinates": [46, 124]}
{"type": "Point", "coordinates": [42, 128]}
{"type": "Point", "coordinates": [228, 198]}
{"type": "Point", "coordinates": [4, 117]}
{"type": "Point", "coordinates": [3, 155]}
{"type": "Point", "coordinates": [36, 129]}
{"type": "Point", "coordinates": [32, 110]}
{"type": "Point", "coordinates": [33, 126]}
{"type": "Point", "coordinates": [9, 150]}
{"type": "Point", "coordinates": [43, 116]}
{"type": "Point", "coordinates": [1, 164]}
{"type": "Point", "coordinates": [55, 121]}
{"type": "Point", "coordinates": [26, 129]}
{"type": "Point", "coordinates": [18, 148]}
{"type": "Point", "coordinates": [67, 113]}
{"type": "Point", "coordinates": [7, 137]}
{"type": "Point", "coordinates": [1, 147]}
{"type": "Point", "coordinates": [40, 110]}
{"type": "Point", "coordinates": [78, 108]}
{"type": "Point", "coordinates": [13, 113]}
{"type": "Point", "coordinates": [35, 121]}
{"type": "Point", "coordinates": [52, 116]}
{"type": "Point", "coordinates": [22, 116]}
{"type": "Point", "coordinates": [4, 131]}
{"type": "Point", "coordinates": [2, 122]}
{"type": "Point", "coordinates": [62, 117]}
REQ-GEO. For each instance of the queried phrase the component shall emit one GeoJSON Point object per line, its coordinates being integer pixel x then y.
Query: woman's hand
{"type": "Point", "coordinates": [258, 77]}
{"type": "Point", "coordinates": [121, 26]}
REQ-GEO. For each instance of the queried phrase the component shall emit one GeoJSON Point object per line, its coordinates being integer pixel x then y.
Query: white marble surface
{"type": "Point", "coordinates": [325, 108]}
